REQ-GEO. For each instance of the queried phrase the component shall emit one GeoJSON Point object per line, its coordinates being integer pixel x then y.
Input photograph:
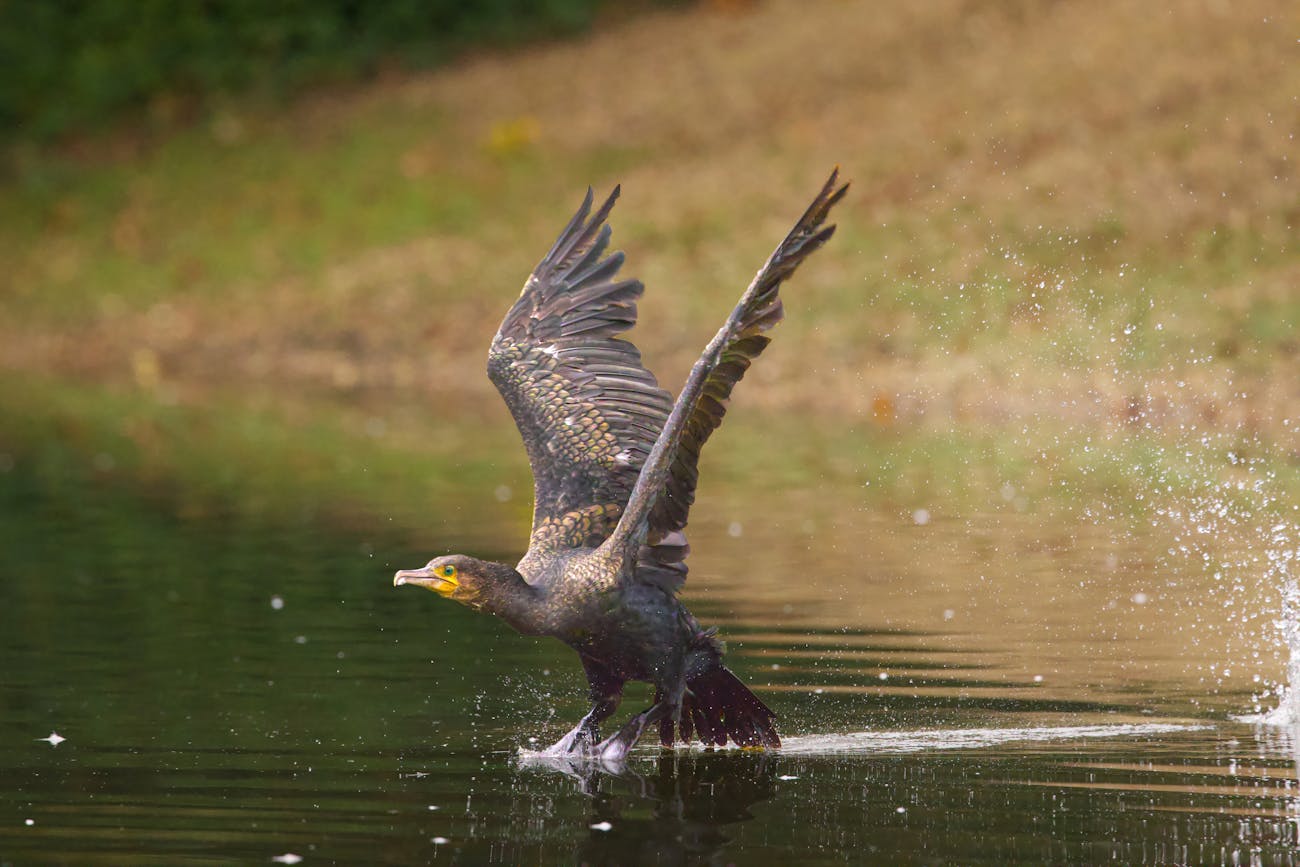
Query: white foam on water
{"type": "Point", "coordinates": [867, 743]}
{"type": "Point", "coordinates": [892, 742]}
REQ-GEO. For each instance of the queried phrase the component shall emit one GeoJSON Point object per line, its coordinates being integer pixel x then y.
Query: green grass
{"type": "Point", "coordinates": [204, 218]}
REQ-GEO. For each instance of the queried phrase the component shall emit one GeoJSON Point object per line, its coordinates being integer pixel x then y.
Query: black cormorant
{"type": "Point", "coordinates": [614, 463]}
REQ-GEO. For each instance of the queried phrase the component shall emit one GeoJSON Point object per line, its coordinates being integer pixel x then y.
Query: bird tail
{"type": "Point", "coordinates": [716, 708]}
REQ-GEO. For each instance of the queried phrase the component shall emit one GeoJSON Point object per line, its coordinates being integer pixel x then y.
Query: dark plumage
{"type": "Point", "coordinates": [614, 463]}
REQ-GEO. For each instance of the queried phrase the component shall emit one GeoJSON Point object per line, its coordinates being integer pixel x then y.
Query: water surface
{"type": "Point", "coordinates": [998, 687]}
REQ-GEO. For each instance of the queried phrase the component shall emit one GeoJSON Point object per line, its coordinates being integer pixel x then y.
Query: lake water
{"type": "Point", "coordinates": [1006, 686]}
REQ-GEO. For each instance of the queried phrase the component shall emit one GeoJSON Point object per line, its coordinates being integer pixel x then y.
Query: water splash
{"type": "Point", "coordinates": [1281, 556]}
{"type": "Point", "coordinates": [897, 742]}
{"type": "Point", "coordinates": [1287, 712]}
{"type": "Point", "coordinates": [1236, 529]}
{"type": "Point", "coordinates": [887, 742]}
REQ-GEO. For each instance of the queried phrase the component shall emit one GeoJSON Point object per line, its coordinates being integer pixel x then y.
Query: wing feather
{"type": "Point", "coordinates": [657, 511]}
{"type": "Point", "coordinates": [615, 461]}
{"type": "Point", "coordinates": [587, 409]}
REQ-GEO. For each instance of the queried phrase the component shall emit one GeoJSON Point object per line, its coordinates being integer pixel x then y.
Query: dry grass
{"type": "Point", "coordinates": [1080, 213]}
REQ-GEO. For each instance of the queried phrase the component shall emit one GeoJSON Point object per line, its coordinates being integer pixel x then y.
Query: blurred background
{"type": "Point", "coordinates": [250, 249]}
{"type": "Point", "coordinates": [1037, 403]}
{"type": "Point", "coordinates": [254, 255]}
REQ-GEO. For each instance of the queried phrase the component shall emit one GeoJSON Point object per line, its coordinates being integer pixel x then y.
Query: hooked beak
{"type": "Point", "coordinates": [424, 577]}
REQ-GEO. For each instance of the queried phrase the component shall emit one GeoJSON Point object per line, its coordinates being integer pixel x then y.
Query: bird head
{"type": "Point", "coordinates": [464, 579]}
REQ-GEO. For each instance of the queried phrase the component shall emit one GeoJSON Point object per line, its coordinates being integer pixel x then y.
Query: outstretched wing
{"type": "Point", "coordinates": [588, 411]}
{"type": "Point", "coordinates": [657, 510]}
{"type": "Point", "coordinates": [662, 559]}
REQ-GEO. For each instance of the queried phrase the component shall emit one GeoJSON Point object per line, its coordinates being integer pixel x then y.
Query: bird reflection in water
{"type": "Point", "coordinates": [675, 815]}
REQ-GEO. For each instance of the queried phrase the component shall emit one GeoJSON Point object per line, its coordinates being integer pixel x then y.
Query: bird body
{"type": "Point", "coordinates": [615, 464]}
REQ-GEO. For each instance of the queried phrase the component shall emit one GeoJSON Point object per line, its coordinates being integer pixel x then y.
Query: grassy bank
{"type": "Point", "coordinates": [1070, 238]}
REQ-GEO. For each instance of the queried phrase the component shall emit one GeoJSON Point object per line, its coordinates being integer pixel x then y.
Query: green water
{"type": "Point", "coordinates": [235, 689]}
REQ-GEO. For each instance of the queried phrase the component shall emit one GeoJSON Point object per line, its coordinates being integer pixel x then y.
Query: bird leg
{"type": "Point", "coordinates": [587, 732]}
{"type": "Point", "coordinates": [615, 748]}
{"type": "Point", "coordinates": [606, 691]}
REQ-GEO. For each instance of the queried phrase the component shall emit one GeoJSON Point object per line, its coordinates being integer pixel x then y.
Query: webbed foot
{"type": "Point", "coordinates": [614, 749]}
{"type": "Point", "coordinates": [582, 739]}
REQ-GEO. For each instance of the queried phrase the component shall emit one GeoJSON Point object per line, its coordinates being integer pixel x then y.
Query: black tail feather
{"type": "Point", "coordinates": [717, 707]}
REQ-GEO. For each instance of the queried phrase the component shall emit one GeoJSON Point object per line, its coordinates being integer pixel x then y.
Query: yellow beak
{"type": "Point", "coordinates": [425, 578]}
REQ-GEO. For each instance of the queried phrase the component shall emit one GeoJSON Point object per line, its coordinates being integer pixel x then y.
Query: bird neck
{"type": "Point", "coordinates": [513, 599]}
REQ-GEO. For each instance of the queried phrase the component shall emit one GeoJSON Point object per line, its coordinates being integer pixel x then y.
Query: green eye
{"type": "Point", "coordinates": [449, 570]}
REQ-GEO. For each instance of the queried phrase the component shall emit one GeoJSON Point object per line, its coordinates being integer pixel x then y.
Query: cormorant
{"type": "Point", "coordinates": [614, 464]}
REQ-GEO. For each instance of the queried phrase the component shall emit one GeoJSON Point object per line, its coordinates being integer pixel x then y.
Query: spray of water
{"type": "Point", "coordinates": [1281, 559]}
{"type": "Point", "coordinates": [1225, 518]}
{"type": "Point", "coordinates": [1155, 406]}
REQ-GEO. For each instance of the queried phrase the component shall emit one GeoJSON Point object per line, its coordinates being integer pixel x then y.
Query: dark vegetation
{"type": "Point", "coordinates": [74, 64]}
